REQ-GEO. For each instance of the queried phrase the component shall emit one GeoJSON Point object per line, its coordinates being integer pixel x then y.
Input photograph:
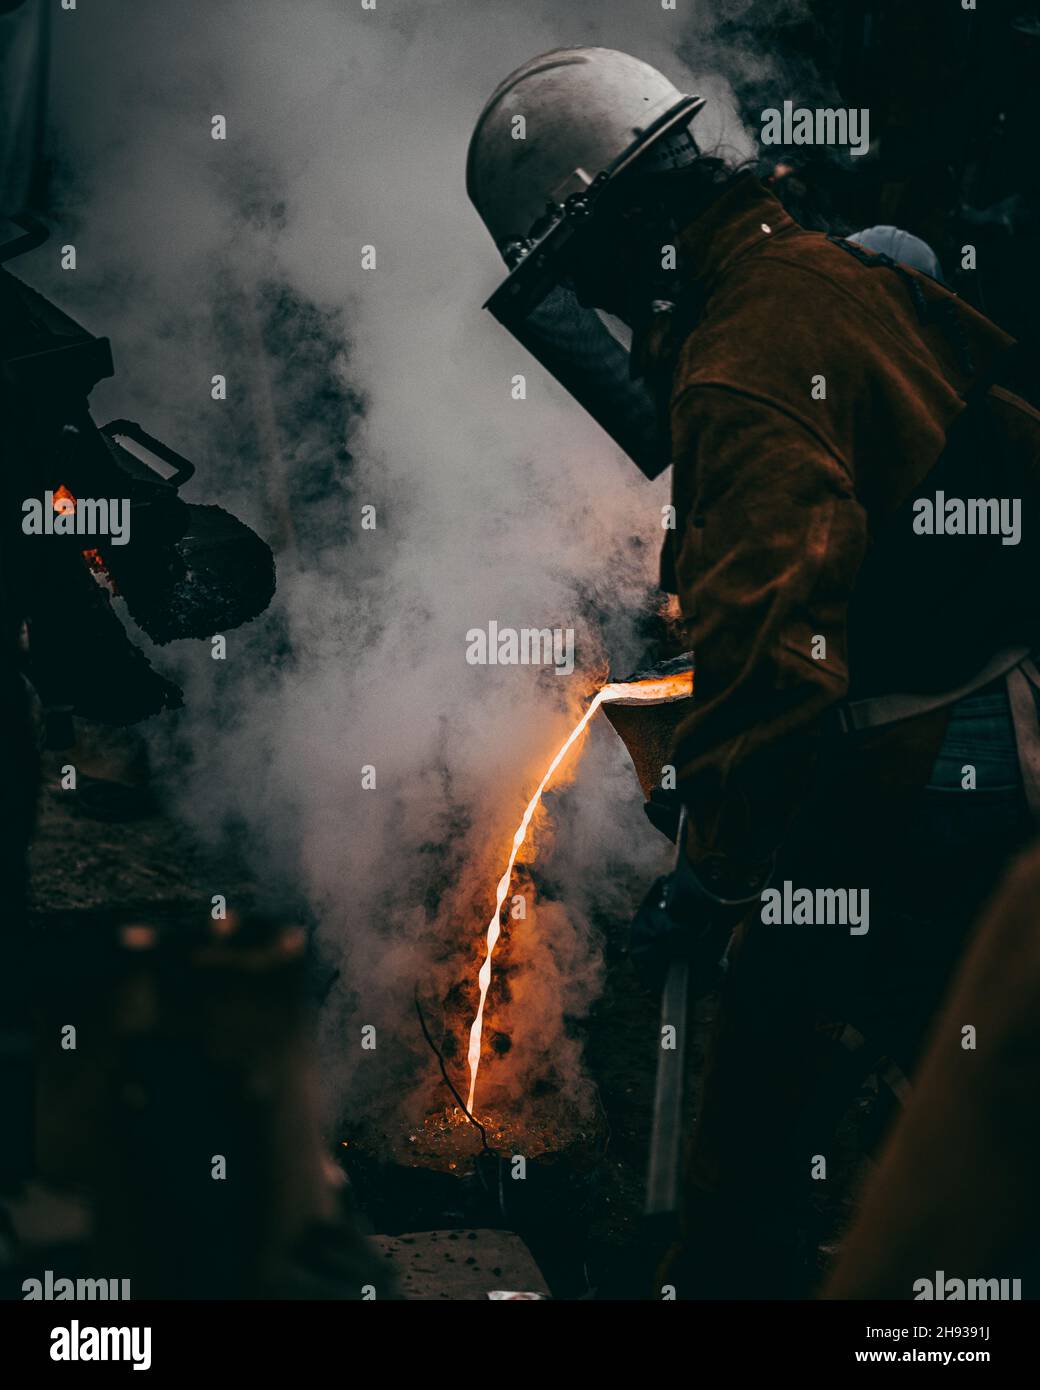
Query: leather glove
{"type": "Point", "coordinates": [692, 913]}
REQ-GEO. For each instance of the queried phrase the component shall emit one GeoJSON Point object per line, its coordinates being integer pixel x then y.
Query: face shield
{"type": "Point", "coordinates": [538, 306]}
{"type": "Point", "coordinates": [575, 346]}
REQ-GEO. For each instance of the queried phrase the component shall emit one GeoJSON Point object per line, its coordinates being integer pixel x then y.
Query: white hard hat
{"type": "Point", "coordinates": [588, 115]}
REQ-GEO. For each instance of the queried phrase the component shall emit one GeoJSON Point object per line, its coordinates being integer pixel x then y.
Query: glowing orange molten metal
{"type": "Point", "coordinates": [654, 690]}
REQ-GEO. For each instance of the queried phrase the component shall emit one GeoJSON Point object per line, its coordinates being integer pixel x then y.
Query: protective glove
{"type": "Point", "coordinates": [692, 912]}
{"type": "Point", "coordinates": [664, 812]}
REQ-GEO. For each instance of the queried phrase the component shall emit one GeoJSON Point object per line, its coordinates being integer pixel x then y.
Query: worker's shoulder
{"type": "Point", "coordinates": [770, 324]}
{"type": "Point", "coordinates": [797, 309]}
{"type": "Point", "coordinates": [804, 280]}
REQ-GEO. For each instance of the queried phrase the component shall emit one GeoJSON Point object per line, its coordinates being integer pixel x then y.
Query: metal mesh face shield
{"type": "Point", "coordinates": [571, 342]}
{"type": "Point", "coordinates": [575, 346]}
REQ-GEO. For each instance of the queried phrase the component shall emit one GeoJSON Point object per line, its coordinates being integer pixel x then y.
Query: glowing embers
{"type": "Point", "coordinates": [64, 504]}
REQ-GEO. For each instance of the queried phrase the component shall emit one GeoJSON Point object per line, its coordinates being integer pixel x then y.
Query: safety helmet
{"type": "Point", "coordinates": [548, 147]}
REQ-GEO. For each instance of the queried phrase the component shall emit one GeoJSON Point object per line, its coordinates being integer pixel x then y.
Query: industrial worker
{"type": "Point", "coordinates": [863, 731]}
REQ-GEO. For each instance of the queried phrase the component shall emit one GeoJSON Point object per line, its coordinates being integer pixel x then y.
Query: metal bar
{"type": "Point", "coordinates": [664, 1173]}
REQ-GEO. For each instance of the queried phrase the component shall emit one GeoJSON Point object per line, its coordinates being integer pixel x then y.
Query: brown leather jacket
{"type": "Point", "coordinates": [807, 403]}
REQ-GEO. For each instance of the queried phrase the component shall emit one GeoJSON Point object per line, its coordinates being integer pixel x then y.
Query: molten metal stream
{"type": "Point", "coordinates": [651, 691]}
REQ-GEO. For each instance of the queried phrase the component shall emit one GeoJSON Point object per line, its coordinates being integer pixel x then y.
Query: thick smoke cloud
{"type": "Point", "coordinates": [388, 387]}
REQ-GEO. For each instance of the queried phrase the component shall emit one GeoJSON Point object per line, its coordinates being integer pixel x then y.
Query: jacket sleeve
{"type": "Point", "coordinates": [769, 538]}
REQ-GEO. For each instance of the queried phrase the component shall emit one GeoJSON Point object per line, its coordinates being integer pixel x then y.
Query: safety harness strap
{"type": "Point", "coordinates": [852, 716]}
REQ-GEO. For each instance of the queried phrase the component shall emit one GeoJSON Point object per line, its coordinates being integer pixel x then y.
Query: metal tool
{"type": "Point", "coordinates": [664, 1174]}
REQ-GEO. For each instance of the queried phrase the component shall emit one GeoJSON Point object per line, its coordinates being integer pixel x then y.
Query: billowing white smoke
{"type": "Point", "coordinates": [348, 127]}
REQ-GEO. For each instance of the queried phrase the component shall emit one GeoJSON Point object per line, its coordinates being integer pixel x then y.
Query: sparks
{"type": "Point", "coordinates": [654, 690]}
